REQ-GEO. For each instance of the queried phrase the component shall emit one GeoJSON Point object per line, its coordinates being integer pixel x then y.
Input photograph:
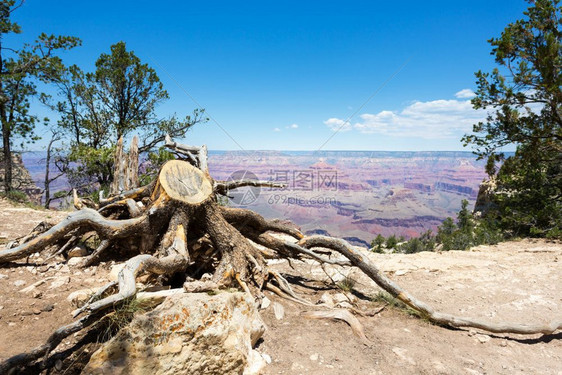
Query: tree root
{"type": "Point", "coordinates": [365, 265]}
{"type": "Point", "coordinates": [26, 359]}
{"type": "Point", "coordinates": [85, 218]}
{"type": "Point", "coordinates": [346, 316]}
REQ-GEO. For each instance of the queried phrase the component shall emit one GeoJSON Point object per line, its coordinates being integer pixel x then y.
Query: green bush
{"type": "Point", "coordinates": [17, 196]}
{"type": "Point", "coordinates": [391, 242]}
{"type": "Point", "coordinates": [377, 243]}
{"type": "Point", "coordinates": [425, 242]}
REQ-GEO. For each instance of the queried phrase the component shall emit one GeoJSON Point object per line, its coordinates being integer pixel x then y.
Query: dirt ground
{"type": "Point", "coordinates": [513, 281]}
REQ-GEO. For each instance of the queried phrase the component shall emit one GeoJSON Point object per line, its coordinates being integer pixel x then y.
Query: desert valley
{"type": "Point", "coordinates": [350, 194]}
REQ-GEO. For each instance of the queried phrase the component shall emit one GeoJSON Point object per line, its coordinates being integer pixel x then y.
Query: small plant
{"type": "Point", "coordinates": [347, 284]}
{"type": "Point", "coordinates": [121, 317]}
{"type": "Point", "coordinates": [385, 297]}
{"type": "Point", "coordinates": [16, 196]}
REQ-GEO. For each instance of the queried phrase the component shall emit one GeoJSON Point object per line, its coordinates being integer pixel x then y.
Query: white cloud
{"type": "Point", "coordinates": [428, 120]}
{"type": "Point", "coordinates": [337, 125]}
{"type": "Point", "coordinates": [276, 129]}
{"type": "Point", "coordinates": [465, 94]}
{"type": "Point", "coordinates": [293, 126]}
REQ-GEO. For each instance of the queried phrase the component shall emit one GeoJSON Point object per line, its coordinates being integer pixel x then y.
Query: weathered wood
{"type": "Point", "coordinates": [119, 162]}
{"type": "Point", "coordinates": [136, 194]}
{"type": "Point", "coordinates": [202, 157]}
{"type": "Point", "coordinates": [126, 279]}
{"type": "Point", "coordinates": [178, 146]}
{"type": "Point", "coordinates": [365, 265]}
{"type": "Point", "coordinates": [85, 218]}
{"type": "Point", "coordinates": [346, 316]}
{"type": "Point", "coordinates": [185, 183]}
{"type": "Point", "coordinates": [242, 218]}
{"type": "Point", "coordinates": [125, 168]}
{"type": "Point", "coordinates": [132, 181]}
{"type": "Point", "coordinates": [222, 187]}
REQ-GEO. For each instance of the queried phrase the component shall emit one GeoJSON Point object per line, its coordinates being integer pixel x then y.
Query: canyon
{"type": "Point", "coordinates": [350, 194]}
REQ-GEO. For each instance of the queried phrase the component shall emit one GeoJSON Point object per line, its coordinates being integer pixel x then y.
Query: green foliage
{"type": "Point", "coordinates": [524, 95]}
{"type": "Point", "coordinates": [391, 242]}
{"type": "Point", "coordinates": [377, 244]}
{"type": "Point", "coordinates": [17, 196]}
{"type": "Point", "coordinates": [89, 169]}
{"type": "Point", "coordinates": [347, 284]}
{"type": "Point", "coordinates": [468, 232]}
{"type": "Point", "coordinates": [121, 317]}
{"type": "Point", "coordinates": [386, 298]}
{"type": "Point", "coordinates": [20, 70]}
{"type": "Point", "coordinates": [150, 167]}
{"type": "Point", "coordinates": [425, 242]}
{"type": "Point", "coordinates": [118, 99]}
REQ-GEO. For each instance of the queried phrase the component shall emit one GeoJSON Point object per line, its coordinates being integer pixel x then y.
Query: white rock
{"type": "Point", "coordinates": [483, 338]}
{"type": "Point", "coordinates": [327, 299]}
{"type": "Point", "coordinates": [340, 297]}
{"type": "Point", "coordinates": [80, 297]}
{"type": "Point", "coordinates": [266, 357]}
{"type": "Point", "coordinates": [187, 334]}
{"type": "Point", "coordinates": [314, 357]}
{"type": "Point", "coordinates": [78, 251]}
{"type": "Point", "coordinates": [74, 261]}
{"type": "Point", "coordinates": [265, 302]}
{"type": "Point", "coordinates": [59, 281]}
{"type": "Point", "coordinates": [2, 276]}
{"type": "Point", "coordinates": [19, 282]}
{"type": "Point", "coordinates": [279, 310]}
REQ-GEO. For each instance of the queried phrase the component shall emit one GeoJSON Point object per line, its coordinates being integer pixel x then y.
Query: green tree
{"type": "Point", "coordinates": [377, 243]}
{"type": "Point", "coordinates": [391, 242]}
{"type": "Point", "coordinates": [19, 71]}
{"type": "Point", "coordinates": [524, 99]}
{"type": "Point", "coordinates": [425, 242]}
{"type": "Point", "coordinates": [119, 98]}
{"type": "Point", "coordinates": [464, 218]}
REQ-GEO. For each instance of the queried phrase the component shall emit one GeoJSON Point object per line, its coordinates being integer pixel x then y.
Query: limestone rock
{"type": "Point", "coordinates": [80, 297]}
{"type": "Point", "coordinates": [78, 251]}
{"type": "Point", "coordinates": [187, 334]}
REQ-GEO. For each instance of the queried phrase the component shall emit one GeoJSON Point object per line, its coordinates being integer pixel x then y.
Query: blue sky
{"type": "Point", "coordinates": [286, 75]}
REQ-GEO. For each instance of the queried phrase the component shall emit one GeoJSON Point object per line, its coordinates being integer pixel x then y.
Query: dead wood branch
{"type": "Point", "coordinates": [365, 265]}
{"type": "Point", "coordinates": [222, 187]}
{"type": "Point", "coordinates": [344, 315]}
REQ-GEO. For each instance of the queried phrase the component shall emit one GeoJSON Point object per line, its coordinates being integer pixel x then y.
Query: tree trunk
{"type": "Point", "coordinates": [125, 168]}
{"type": "Point", "coordinates": [47, 165]}
{"type": "Point", "coordinates": [7, 153]}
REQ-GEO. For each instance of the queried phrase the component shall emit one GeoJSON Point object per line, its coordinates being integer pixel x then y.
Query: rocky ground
{"type": "Point", "coordinates": [513, 281]}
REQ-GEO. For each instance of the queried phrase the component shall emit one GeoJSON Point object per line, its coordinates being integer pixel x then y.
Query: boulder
{"type": "Point", "coordinates": [80, 297]}
{"type": "Point", "coordinates": [191, 333]}
{"type": "Point", "coordinates": [78, 251]}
